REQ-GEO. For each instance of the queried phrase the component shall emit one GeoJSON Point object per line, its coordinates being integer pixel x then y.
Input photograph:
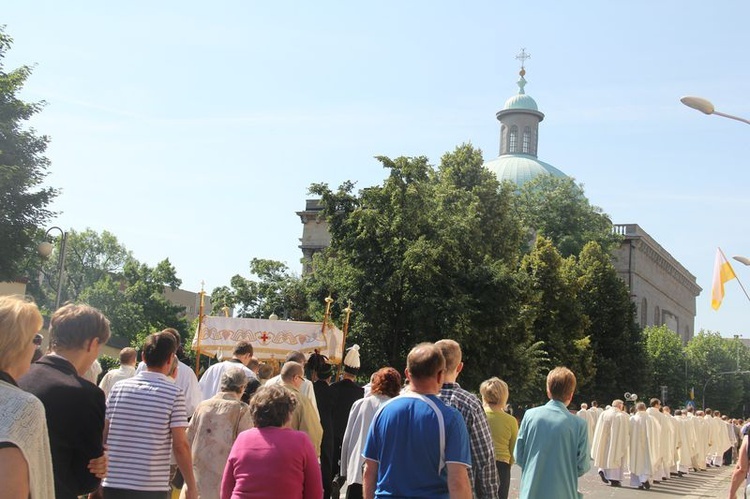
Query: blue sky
{"type": "Point", "coordinates": [192, 130]}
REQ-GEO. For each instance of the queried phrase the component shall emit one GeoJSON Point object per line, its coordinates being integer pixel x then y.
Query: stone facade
{"type": "Point", "coordinates": [663, 291]}
{"type": "Point", "coordinates": [315, 235]}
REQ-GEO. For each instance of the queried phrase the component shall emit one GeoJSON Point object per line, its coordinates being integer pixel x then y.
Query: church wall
{"type": "Point", "coordinates": [662, 290]}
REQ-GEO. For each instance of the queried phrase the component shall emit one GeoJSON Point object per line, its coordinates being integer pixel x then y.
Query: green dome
{"type": "Point", "coordinates": [521, 101]}
{"type": "Point", "coordinates": [520, 168]}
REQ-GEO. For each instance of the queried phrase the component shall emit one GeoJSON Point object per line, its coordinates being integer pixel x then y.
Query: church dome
{"type": "Point", "coordinates": [520, 168]}
{"type": "Point", "coordinates": [521, 101]}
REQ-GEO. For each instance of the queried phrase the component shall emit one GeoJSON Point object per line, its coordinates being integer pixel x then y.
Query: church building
{"type": "Point", "coordinates": [663, 291]}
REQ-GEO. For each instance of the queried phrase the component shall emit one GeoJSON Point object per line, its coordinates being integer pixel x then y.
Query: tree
{"type": "Point", "coordinates": [429, 254]}
{"type": "Point", "coordinates": [665, 358]}
{"type": "Point", "coordinates": [23, 167]}
{"type": "Point", "coordinates": [557, 208]}
{"type": "Point", "coordinates": [90, 257]}
{"type": "Point", "coordinates": [615, 337]}
{"type": "Point", "coordinates": [277, 291]}
{"type": "Point", "coordinates": [135, 303]}
{"type": "Point", "coordinates": [556, 316]}
{"type": "Point", "coordinates": [709, 355]}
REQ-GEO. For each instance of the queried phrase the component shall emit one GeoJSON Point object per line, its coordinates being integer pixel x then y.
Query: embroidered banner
{"type": "Point", "coordinates": [271, 340]}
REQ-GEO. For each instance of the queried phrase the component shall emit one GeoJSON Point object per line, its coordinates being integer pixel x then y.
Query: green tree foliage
{"type": "Point", "coordinates": [430, 254]}
{"type": "Point", "coordinates": [558, 209]}
{"type": "Point", "coordinates": [557, 318]}
{"type": "Point", "coordinates": [135, 303]}
{"type": "Point", "coordinates": [710, 355]}
{"type": "Point", "coordinates": [615, 337]}
{"type": "Point", "coordinates": [90, 257]}
{"type": "Point", "coordinates": [23, 167]}
{"type": "Point", "coordinates": [665, 358]}
{"type": "Point", "coordinates": [277, 291]}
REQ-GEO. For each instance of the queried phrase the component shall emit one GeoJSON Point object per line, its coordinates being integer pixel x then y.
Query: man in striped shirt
{"type": "Point", "coordinates": [145, 420]}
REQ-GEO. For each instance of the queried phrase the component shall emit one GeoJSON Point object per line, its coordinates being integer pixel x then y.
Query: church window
{"type": "Point", "coordinates": [657, 316]}
{"type": "Point", "coordinates": [526, 140]}
{"type": "Point", "coordinates": [644, 313]}
{"type": "Point", "coordinates": [513, 139]}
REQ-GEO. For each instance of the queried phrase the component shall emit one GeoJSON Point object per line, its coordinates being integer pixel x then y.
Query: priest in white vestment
{"type": "Point", "coordinates": [609, 447]}
{"type": "Point", "coordinates": [670, 459]}
{"type": "Point", "coordinates": [659, 470]}
{"type": "Point", "coordinates": [701, 431]}
{"type": "Point", "coordinates": [685, 441]}
{"type": "Point", "coordinates": [589, 418]}
{"type": "Point", "coordinates": [643, 435]}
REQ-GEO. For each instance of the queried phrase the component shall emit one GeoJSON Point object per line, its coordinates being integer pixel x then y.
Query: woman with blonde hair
{"type": "Point", "coordinates": [503, 426]}
{"type": "Point", "coordinates": [25, 459]}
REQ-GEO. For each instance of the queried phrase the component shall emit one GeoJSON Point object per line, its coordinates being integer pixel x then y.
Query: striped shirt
{"type": "Point", "coordinates": [141, 412]}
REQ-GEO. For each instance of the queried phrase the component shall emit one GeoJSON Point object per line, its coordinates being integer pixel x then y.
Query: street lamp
{"type": "Point", "coordinates": [706, 107]}
{"type": "Point", "coordinates": [45, 250]}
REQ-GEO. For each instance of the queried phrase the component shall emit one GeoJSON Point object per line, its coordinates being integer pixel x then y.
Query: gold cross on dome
{"type": "Point", "coordinates": [522, 56]}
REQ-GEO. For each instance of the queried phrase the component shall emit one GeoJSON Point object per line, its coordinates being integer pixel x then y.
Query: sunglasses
{"type": "Point", "coordinates": [37, 339]}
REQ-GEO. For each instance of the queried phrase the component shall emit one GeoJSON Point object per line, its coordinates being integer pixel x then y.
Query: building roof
{"type": "Point", "coordinates": [520, 168]}
{"type": "Point", "coordinates": [521, 101]}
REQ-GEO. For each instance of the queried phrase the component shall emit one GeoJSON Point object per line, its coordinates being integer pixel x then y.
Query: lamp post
{"type": "Point", "coordinates": [45, 250]}
{"type": "Point", "coordinates": [706, 107]}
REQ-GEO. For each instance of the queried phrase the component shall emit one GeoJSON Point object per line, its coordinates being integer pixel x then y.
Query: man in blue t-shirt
{"type": "Point", "coordinates": [417, 446]}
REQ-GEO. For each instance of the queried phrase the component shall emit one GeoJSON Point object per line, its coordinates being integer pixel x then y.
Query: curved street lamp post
{"type": "Point", "coordinates": [706, 107]}
{"type": "Point", "coordinates": [45, 249]}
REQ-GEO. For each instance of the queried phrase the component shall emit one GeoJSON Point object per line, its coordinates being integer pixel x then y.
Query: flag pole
{"type": "Point", "coordinates": [735, 275]}
{"type": "Point", "coordinates": [198, 332]}
{"type": "Point", "coordinates": [348, 311]}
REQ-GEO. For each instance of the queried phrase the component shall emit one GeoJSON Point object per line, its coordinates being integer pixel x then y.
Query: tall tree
{"type": "Point", "coordinates": [714, 371]}
{"type": "Point", "coordinates": [431, 253]}
{"type": "Point", "coordinates": [23, 167]}
{"type": "Point", "coordinates": [135, 302]}
{"type": "Point", "coordinates": [276, 291]}
{"type": "Point", "coordinates": [615, 336]}
{"type": "Point", "coordinates": [557, 208]}
{"type": "Point", "coordinates": [665, 359]}
{"type": "Point", "coordinates": [89, 258]}
{"type": "Point", "coordinates": [557, 318]}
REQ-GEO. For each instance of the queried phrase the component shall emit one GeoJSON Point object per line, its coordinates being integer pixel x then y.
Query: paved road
{"type": "Point", "coordinates": [711, 484]}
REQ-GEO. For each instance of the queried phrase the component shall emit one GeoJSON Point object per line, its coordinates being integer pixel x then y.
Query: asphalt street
{"type": "Point", "coordinates": [712, 483]}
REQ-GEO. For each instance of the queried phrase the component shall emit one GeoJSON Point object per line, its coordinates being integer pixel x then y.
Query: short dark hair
{"type": "Point", "coordinates": [243, 348]}
{"type": "Point", "coordinates": [386, 381]}
{"type": "Point", "coordinates": [158, 348]}
{"type": "Point", "coordinates": [271, 406]}
{"type": "Point", "coordinates": [175, 333]}
{"type": "Point", "coordinates": [72, 325]}
{"type": "Point", "coordinates": [425, 361]}
{"type": "Point", "coordinates": [654, 402]}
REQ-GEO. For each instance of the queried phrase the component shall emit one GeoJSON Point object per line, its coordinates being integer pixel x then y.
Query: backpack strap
{"type": "Point", "coordinates": [440, 420]}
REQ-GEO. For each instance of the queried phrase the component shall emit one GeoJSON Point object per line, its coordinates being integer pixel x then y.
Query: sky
{"type": "Point", "coordinates": [193, 130]}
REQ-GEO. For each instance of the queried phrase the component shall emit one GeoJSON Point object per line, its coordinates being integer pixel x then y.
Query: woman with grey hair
{"type": "Point", "coordinates": [213, 429]}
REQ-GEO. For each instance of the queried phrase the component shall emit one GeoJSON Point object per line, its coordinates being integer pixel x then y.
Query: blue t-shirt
{"type": "Point", "coordinates": [404, 439]}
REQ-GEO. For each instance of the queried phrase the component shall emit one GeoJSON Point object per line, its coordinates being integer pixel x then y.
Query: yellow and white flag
{"type": "Point", "coordinates": [723, 272]}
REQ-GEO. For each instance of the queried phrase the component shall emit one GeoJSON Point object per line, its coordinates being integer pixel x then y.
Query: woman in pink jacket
{"type": "Point", "coordinates": [272, 460]}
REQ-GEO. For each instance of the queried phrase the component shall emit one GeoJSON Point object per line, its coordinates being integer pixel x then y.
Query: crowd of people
{"type": "Point", "coordinates": [308, 432]}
